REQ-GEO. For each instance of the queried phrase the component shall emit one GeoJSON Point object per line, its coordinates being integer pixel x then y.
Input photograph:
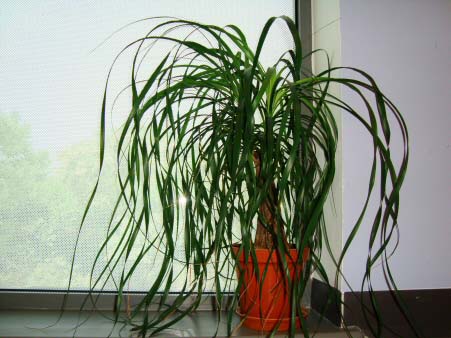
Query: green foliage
{"type": "Point", "coordinates": [22, 171]}
{"type": "Point", "coordinates": [23, 192]}
{"type": "Point", "coordinates": [194, 125]}
{"type": "Point", "coordinates": [40, 203]}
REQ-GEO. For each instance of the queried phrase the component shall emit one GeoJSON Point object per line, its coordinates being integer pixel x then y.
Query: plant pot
{"type": "Point", "coordinates": [271, 308]}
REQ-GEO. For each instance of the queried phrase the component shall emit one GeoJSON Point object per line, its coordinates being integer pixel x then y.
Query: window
{"type": "Point", "coordinates": [54, 60]}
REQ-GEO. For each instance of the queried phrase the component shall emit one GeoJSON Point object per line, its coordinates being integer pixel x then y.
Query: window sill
{"type": "Point", "coordinates": [39, 323]}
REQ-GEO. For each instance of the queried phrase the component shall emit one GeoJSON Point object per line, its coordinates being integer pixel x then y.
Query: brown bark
{"type": "Point", "coordinates": [263, 238]}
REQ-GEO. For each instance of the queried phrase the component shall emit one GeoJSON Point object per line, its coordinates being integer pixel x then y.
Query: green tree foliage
{"type": "Point", "coordinates": [23, 175]}
{"type": "Point", "coordinates": [41, 202]}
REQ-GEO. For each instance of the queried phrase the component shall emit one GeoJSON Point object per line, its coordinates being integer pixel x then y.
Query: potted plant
{"type": "Point", "coordinates": [233, 162]}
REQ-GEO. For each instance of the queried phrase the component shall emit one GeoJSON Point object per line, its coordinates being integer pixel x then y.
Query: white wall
{"type": "Point", "coordinates": [406, 46]}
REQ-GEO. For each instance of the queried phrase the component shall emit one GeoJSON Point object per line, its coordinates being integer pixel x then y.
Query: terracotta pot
{"type": "Point", "coordinates": [264, 312]}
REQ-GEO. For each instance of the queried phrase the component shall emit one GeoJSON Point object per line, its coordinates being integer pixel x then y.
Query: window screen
{"type": "Point", "coordinates": [54, 59]}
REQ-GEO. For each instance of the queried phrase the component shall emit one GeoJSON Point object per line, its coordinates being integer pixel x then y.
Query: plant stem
{"type": "Point", "coordinates": [268, 229]}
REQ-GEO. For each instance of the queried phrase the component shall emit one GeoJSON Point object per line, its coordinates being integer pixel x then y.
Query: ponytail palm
{"type": "Point", "coordinates": [231, 152]}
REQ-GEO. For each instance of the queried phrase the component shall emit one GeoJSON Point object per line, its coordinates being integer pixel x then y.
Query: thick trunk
{"type": "Point", "coordinates": [267, 221]}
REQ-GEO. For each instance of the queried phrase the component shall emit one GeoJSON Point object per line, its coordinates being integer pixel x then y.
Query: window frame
{"type": "Point", "coordinates": [51, 299]}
